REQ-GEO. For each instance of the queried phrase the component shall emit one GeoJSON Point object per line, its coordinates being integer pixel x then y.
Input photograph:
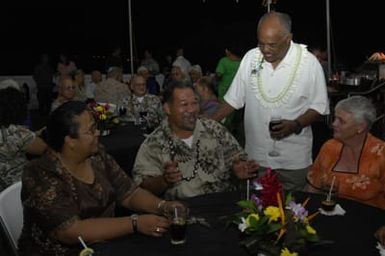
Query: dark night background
{"type": "Point", "coordinates": [86, 29]}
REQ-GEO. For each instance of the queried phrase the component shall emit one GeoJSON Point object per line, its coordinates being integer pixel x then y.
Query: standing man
{"type": "Point", "coordinates": [279, 78]}
{"type": "Point", "coordinates": [188, 156]}
{"type": "Point", "coordinates": [43, 77]}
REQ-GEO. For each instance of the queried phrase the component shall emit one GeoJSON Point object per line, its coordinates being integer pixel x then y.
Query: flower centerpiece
{"type": "Point", "coordinates": [272, 224]}
{"type": "Point", "coordinates": [104, 116]}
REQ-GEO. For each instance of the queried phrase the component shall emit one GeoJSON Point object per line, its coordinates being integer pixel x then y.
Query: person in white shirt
{"type": "Point", "coordinates": [181, 61]}
{"type": "Point", "coordinates": [279, 78]}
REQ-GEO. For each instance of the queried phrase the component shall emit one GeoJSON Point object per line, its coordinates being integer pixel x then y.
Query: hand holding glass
{"type": "Point", "coordinates": [275, 120]}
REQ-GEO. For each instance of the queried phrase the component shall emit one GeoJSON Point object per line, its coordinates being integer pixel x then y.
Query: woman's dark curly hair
{"type": "Point", "coordinates": [13, 107]}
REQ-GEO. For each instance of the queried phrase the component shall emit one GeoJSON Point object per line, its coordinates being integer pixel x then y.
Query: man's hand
{"type": "Point", "coordinates": [171, 173]}
{"type": "Point", "coordinates": [284, 129]}
{"type": "Point", "coordinates": [245, 169]}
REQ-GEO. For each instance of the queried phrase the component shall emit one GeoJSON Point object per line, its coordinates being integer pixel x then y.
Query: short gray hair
{"type": "Point", "coordinates": [9, 83]}
{"type": "Point", "coordinates": [283, 18]}
{"type": "Point", "coordinates": [360, 107]}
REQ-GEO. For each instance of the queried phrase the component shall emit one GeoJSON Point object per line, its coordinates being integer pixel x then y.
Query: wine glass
{"type": "Point", "coordinates": [143, 120]}
{"type": "Point", "coordinates": [275, 120]}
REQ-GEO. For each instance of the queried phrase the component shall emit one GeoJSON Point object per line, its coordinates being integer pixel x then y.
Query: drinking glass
{"type": "Point", "coordinates": [179, 216]}
{"type": "Point", "coordinates": [122, 110]}
{"type": "Point", "coordinates": [329, 190]}
{"type": "Point", "coordinates": [275, 120]}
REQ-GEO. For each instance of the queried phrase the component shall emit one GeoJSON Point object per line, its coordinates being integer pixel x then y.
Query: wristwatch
{"type": "Point", "coordinates": [134, 219]}
{"type": "Point", "coordinates": [298, 127]}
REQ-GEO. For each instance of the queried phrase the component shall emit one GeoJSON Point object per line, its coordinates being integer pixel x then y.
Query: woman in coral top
{"type": "Point", "coordinates": [354, 156]}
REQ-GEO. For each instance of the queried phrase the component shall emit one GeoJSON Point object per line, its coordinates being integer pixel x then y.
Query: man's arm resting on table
{"type": "Point", "coordinates": [157, 184]}
{"type": "Point", "coordinates": [224, 110]}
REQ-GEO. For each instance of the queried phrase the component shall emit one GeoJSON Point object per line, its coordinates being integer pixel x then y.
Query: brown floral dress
{"type": "Point", "coordinates": [53, 200]}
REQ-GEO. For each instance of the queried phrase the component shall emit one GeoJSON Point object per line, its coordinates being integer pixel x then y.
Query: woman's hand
{"type": "Point", "coordinates": [152, 225]}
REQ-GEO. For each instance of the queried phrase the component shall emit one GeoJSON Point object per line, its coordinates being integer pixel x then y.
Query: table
{"type": "Point", "coordinates": [123, 143]}
{"type": "Point", "coordinates": [353, 234]}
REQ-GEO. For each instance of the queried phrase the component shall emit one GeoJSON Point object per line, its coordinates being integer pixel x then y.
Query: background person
{"type": "Point", "coordinates": [66, 92]}
{"type": "Point", "coordinates": [16, 140]}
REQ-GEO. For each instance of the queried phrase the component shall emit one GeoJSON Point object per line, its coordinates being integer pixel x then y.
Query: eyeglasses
{"type": "Point", "coordinates": [92, 131]}
{"type": "Point", "coordinates": [272, 46]}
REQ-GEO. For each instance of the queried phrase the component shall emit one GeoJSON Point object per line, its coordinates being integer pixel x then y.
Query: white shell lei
{"type": "Point", "coordinates": [257, 85]}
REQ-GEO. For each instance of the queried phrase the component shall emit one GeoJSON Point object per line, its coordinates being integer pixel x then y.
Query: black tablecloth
{"type": "Point", "coordinates": [123, 143]}
{"type": "Point", "coordinates": [353, 234]}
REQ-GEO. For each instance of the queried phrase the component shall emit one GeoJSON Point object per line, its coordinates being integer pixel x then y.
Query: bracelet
{"type": "Point", "coordinates": [134, 220]}
{"type": "Point", "coordinates": [160, 206]}
{"type": "Point", "coordinates": [298, 127]}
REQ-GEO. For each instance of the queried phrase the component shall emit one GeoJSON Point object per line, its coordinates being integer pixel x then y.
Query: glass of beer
{"type": "Point", "coordinates": [179, 216]}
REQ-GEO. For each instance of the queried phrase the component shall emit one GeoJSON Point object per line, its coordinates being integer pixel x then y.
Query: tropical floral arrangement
{"type": "Point", "coordinates": [272, 224]}
{"type": "Point", "coordinates": [104, 116]}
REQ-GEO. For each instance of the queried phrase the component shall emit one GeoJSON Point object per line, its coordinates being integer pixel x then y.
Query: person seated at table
{"type": "Point", "coordinates": [73, 189]}
{"type": "Point", "coordinates": [188, 156]}
{"type": "Point", "coordinates": [209, 102]}
{"type": "Point", "coordinates": [66, 92]}
{"type": "Point", "coordinates": [354, 156]}
{"type": "Point", "coordinates": [15, 138]}
{"type": "Point", "coordinates": [143, 105]}
{"type": "Point", "coordinates": [80, 86]}
{"type": "Point", "coordinates": [380, 235]}
{"type": "Point", "coordinates": [112, 90]}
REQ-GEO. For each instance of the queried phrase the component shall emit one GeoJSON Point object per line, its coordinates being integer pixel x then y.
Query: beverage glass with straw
{"type": "Point", "coordinates": [179, 215]}
{"type": "Point", "coordinates": [87, 251]}
{"type": "Point", "coordinates": [329, 203]}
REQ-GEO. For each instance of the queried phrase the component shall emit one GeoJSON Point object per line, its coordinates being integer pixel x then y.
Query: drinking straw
{"type": "Point", "coordinates": [248, 189]}
{"type": "Point", "coordinates": [330, 189]}
{"type": "Point", "coordinates": [82, 242]}
{"type": "Point", "coordinates": [175, 213]}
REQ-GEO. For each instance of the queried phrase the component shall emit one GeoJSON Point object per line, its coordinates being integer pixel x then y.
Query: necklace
{"type": "Point", "coordinates": [284, 94]}
{"type": "Point", "coordinates": [196, 163]}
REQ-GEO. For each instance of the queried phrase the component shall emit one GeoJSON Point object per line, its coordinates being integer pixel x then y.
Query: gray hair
{"type": "Point", "coordinates": [9, 83]}
{"type": "Point", "coordinates": [142, 69]}
{"type": "Point", "coordinates": [283, 18]}
{"type": "Point", "coordinates": [114, 71]}
{"type": "Point", "coordinates": [360, 107]}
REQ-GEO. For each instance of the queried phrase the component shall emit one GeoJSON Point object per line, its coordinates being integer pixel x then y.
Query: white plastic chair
{"type": "Point", "coordinates": [11, 213]}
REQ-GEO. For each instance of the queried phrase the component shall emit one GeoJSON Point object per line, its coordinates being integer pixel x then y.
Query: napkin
{"type": "Point", "coordinates": [338, 210]}
{"type": "Point", "coordinates": [381, 248]}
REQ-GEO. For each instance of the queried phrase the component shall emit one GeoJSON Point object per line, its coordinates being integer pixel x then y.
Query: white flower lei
{"type": "Point", "coordinates": [285, 93]}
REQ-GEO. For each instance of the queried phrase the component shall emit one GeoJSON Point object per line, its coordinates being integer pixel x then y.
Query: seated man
{"type": "Point", "coordinates": [188, 156]}
{"type": "Point", "coordinates": [66, 92]}
{"type": "Point", "coordinates": [143, 105]}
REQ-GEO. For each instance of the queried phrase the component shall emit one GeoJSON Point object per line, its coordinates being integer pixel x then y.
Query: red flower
{"type": "Point", "coordinates": [271, 186]}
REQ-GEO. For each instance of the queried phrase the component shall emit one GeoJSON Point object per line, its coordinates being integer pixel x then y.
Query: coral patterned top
{"type": "Point", "coordinates": [366, 184]}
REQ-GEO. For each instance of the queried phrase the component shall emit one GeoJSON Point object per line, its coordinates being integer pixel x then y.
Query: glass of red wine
{"type": "Point", "coordinates": [275, 120]}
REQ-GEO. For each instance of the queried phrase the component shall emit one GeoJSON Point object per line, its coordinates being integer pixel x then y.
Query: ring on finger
{"type": "Point", "coordinates": [157, 229]}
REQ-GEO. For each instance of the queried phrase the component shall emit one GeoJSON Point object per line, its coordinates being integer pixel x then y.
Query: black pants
{"type": "Point", "coordinates": [44, 97]}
